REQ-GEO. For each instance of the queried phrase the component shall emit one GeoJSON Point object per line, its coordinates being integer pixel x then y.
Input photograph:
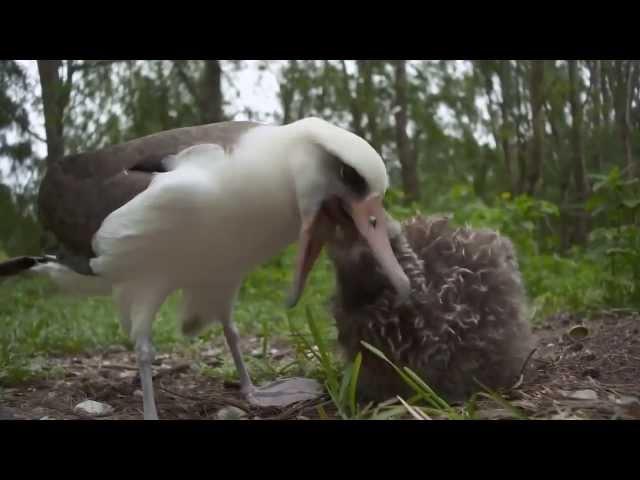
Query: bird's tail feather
{"type": "Point", "coordinates": [68, 280]}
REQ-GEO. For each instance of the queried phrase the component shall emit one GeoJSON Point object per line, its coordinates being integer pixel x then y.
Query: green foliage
{"type": "Point", "coordinates": [521, 218]}
{"type": "Point", "coordinates": [615, 198]}
{"type": "Point", "coordinates": [19, 231]}
{"type": "Point", "coordinates": [603, 273]}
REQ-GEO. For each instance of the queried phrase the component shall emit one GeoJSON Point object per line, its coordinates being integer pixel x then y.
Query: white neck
{"type": "Point", "coordinates": [260, 195]}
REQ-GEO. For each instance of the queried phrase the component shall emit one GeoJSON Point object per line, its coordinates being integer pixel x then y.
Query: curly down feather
{"type": "Point", "coordinates": [463, 322]}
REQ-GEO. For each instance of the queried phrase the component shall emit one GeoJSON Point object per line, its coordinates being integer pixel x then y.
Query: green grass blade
{"type": "Point", "coordinates": [496, 397]}
{"type": "Point", "coordinates": [344, 384]}
{"type": "Point", "coordinates": [353, 384]}
{"type": "Point", "coordinates": [324, 354]}
{"type": "Point", "coordinates": [389, 413]}
{"type": "Point", "coordinates": [429, 394]}
{"type": "Point", "coordinates": [403, 375]}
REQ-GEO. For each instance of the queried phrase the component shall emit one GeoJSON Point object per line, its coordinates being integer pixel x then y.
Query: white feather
{"type": "Point", "coordinates": [203, 225]}
{"type": "Point", "coordinates": [71, 282]}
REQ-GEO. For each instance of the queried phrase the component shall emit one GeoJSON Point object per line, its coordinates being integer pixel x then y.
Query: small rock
{"type": "Point", "coordinates": [47, 418]}
{"type": "Point", "coordinates": [581, 395]}
{"type": "Point", "coordinates": [138, 393]}
{"type": "Point", "coordinates": [231, 413]}
{"type": "Point", "coordinates": [93, 408]}
{"type": "Point", "coordinates": [588, 355]}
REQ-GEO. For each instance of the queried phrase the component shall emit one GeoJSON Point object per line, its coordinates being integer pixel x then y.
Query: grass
{"type": "Point", "coordinates": [36, 322]}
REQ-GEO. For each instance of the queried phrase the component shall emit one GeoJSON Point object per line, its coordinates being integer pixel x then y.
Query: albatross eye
{"type": "Point", "coordinates": [353, 180]}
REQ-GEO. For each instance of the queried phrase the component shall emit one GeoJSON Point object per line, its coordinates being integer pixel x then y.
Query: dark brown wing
{"type": "Point", "coordinates": [79, 191]}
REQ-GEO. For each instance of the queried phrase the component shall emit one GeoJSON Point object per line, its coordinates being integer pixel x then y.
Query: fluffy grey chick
{"type": "Point", "coordinates": [464, 320]}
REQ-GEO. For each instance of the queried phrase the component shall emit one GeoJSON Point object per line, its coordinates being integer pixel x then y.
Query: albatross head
{"type": "Point", "coordinates": [340, 183]}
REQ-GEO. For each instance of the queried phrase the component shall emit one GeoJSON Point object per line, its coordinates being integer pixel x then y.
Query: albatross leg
{"type": "Point", "coordinates": [139, 304]}
{"type": "Point", "coordinates": [145, 354]}
{"type": "Point", "coordinates": [280, 393]}
{"type": "Point", "coordinates": [233, 341]}
{"type": "Point", "coordinates": [276, 394]}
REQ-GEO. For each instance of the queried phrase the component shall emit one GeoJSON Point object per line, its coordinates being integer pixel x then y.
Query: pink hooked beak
{"type": "Point", "coordinates": [369, 218]}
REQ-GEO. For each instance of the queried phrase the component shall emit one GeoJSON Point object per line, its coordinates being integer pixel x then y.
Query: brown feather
{"type": "Point", "coordinates": [79, 191]}
{"type": "Point", "coordinates": [464, 320]}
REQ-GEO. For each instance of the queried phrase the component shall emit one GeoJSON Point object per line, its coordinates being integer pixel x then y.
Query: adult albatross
{"type": "Point", "coordinates": [196, 209]}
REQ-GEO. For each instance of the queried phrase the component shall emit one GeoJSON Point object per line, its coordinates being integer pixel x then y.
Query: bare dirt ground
{"type": "Point", "coordinates": [581, 369]}
{"type": "Point", "coordinates": [594, 377]}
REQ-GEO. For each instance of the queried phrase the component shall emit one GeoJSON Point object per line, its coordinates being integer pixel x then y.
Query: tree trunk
{"type": "Point", "coordinates": [54, 101]}
{"type": "Point", "coordinates": [607, 93]}
{"type": "Point", "coordinates": [536, 92]}
{"type": "Point", "coordinates": [365, 72]}
{"type": "Point", "coordinates": [621, 99]}
{"type": "Point", "coordinates": [523, 144]}
{"type": "Point", "coordinates": [356, 111]}
{"type": "Point", "coordinates": [287, 92]}
{"type": "Point", "coordinates": [619, 76]}
{"type": "Point", "coordinates": [507, 129]}
{"type": "Point", "coordinates": [577, 150]}
{"type": "Point", "coordinates": [406, 155]}
{"type": "Point", "coordinates": [210, 97]}
{"type": "Point", "coordinates": [631, 74]}
{"type": "Point", "coordinates": [487, 70]}
{"type": "Point", "coordinates": [596, 98]}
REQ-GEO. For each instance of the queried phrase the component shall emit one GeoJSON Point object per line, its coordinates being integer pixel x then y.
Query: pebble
{"type": "Point", "coordinates": [231, 413]}
{"type": "Point", "coordinates": [93, 408]}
